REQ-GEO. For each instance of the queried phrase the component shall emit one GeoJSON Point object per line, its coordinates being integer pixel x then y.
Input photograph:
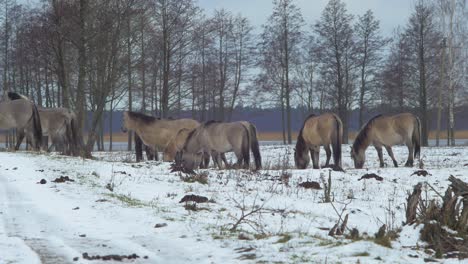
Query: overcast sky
{"type": "Point", "coordinates": [391, 13]}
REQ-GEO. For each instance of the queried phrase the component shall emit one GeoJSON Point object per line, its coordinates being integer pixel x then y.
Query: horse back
{"type": "Point", "coordinates": [393, 130]}
{"type": "Point", "coordinates": [15, 114]}
{"type": "Point", "coordinates": [223, 137]}
{"type": "Point", "coordinates": [319, 130]}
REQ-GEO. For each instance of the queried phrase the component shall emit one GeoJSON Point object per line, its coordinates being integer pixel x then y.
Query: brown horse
{"type": "Point", "coordinates": [155, 133]}
{"type": "Point", "coordinates": [323, 130]}
{"type": "Point", "coordinates": [217, 138]}
{"type": "Point", "coordinates": [387, 131]}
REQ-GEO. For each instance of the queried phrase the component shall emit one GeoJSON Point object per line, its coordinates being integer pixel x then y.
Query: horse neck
{"type": "Point", "coordinates": [301, 146]}
{"type": "Point", "coordinates": [193, 143]}
{"type": "Point", "coordinates": [366, 142]}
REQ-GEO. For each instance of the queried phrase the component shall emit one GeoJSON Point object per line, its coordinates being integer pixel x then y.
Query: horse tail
{"type": "Point", "coordinates": [245, 147]}
{"type": "Point", "coordinates": [336, 145]}
{"type": "Point", "coordinates": [37, 128]}
{"type": "Point", "coordinates": [138, 148]}
{"type": "Point", "coordinates": [254, 146]}
{"type": "Point", "coordinates": [416, 138]}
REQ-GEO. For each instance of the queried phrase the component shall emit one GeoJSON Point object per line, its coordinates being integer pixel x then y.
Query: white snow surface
{"type": "Point", "coordinates": [57, 222]}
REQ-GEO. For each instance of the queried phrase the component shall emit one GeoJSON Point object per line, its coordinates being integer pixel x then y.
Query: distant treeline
{"type": "Point", "coordinates": [269, 120]}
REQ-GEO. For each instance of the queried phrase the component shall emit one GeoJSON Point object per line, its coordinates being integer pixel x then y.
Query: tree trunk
{"type": "Point", "coordinates": [129, 78]}
{"type": "Point", "coordinates": [439, 96]}
{"type": "Point", "coordinates": [80, 93]}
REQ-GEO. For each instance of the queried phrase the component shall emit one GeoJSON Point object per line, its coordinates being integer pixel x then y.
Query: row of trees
{"type": "Point", "coordinates": [168, 56]}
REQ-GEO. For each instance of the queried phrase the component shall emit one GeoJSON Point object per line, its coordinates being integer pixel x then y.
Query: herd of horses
{"type": "Point", "coordinates": [192, 144]}
{"type": "Point", "coordinates": [38, 124]}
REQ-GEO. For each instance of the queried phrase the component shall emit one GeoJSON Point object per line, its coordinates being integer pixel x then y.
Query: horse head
{"type": "Point", "coordinates": [301, 159]}
{"type": "Point", "coordinates": [358, 157]}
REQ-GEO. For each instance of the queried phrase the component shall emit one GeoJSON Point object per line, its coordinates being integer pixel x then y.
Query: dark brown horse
{"type": "Point", "coordinates": [387, 131]}
{"type": "Point", "coordinates": [324, 130]}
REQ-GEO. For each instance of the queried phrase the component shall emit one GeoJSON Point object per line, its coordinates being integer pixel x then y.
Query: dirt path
{"type": "Point", "coordinates": [41, 237]}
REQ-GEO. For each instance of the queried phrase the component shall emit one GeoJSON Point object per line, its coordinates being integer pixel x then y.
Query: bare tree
{"type": "Point", "coordinates": [422, 36]}
{"type": "Point", "coordinates": [334, 36]}
{"type": "Point", "coordinates": [369, 45]}
{"type": "Point", "coordinates": [283, 34]}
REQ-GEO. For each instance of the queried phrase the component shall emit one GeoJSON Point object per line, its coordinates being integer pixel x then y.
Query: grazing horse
{"type": "Point", "coordinates": [176, 144]}
{"type": "Point", "coordinates": [323, 130]}
{"type": "Point", "coordinates": [217, 138]}
{"type": "Point", "coordinates": [254, 146]}
{"type": "Point", "coordinates": [387, 131]}
{"type": "Point", "coordinates": [23, 115]}
{"type": "Point", "coordinates": [59, 124]}
{"type": "Point", "coordinates": [153, 132]}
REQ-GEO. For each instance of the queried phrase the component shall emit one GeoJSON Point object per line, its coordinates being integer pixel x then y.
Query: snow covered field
{"type": "Point", "coordinates": [113, 206]}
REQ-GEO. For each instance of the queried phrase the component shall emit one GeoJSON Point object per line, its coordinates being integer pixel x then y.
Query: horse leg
{"type": "Point", "coordinates": [390, 152]}
{"type": "Point", "coordinates": [19, 138]}
{"type": "Point", "coordinates": [149, 153]}
{"type": "Point", "coordinates": [240, 159]}
{"type": "Point", "coordinates": [217, 159]}
{"type": "Point", "coordinates": [380, 154]}
{"type": "Point", "coordinates": [223, 158]}
{"type": "Point", "coordinates": [156, 156]}
{"type": "Point", "coordinates": [205, 161]}
{"type": "Point", "coordinates": [410, 161]}
{"type": "Point", "coordinates": [315, 157]}
{"type": "Point", "coordinates": [328, 151]}
{"type": "Point", "coordinates": [45, 143]}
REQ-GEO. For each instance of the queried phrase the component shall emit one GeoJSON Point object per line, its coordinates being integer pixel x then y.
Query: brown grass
{"type": "Point", "coordinates": [277, 136]}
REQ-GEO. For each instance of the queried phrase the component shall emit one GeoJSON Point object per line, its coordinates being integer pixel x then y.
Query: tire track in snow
{"type": "Point", "coordinates": [54, 241]}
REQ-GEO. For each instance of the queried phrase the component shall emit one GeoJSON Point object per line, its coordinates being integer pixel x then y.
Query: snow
{"type": "Point", "coordinates": [56, 222]}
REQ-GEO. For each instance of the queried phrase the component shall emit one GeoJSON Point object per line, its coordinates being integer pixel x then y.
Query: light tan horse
{"type": "Point", "coordinates": [58, 124]}
{"type": "Point", "coordinates": [22, 114]}
{"type": "Point", "coordinates": [177, 143]}
{"type": "Point", "coordinates": [217, 138]}
{"type": "Point", "coordinates": [155, 133]}
{"type": "Point", "coordinates": [387, 131]}
{"type": "Point", "coordinates": [324, 130]}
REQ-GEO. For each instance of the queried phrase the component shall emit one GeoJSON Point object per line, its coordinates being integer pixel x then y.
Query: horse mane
{"type": "Point", "coordinates": [211, 122]}
{"type": "Point", "coordinates": [300, 143]}
{"type": "Point", "coordinates": [16, 96]}
{"type": "Point", "coordinates": [364, 133]}
{"type": "Point", "coordinates": [189, 137]}
{"type": "Point", "coordinates": [142, 117]}
{"type": "Point", "coordinates": [307, 118]}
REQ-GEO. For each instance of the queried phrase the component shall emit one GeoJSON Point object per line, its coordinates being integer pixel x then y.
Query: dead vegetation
{"type": "Point", "coordinates": [445, 221]}
{"type": "Point", "coordinates": [201, 177]}
{"type": "Point", "coordinates": [371, 176]}
{"type": "Point", "coordinates": [310, 185]}
{"type": "Point", "coordinates": [63, 179]}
